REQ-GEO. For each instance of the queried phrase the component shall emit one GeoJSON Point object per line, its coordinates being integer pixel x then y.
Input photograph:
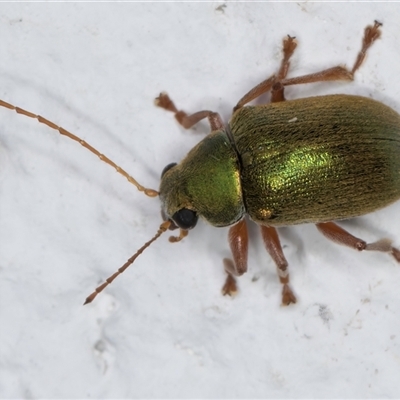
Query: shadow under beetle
{"type": "Point", "coordinates": [311, 160]}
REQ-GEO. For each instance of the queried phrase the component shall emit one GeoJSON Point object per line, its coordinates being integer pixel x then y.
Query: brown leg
{"type": "Point", "coordinates": [238, 240]}
{"type": "Point", "coordinates": [289, 45]}
{"type": "Point", "coordinates": [331, 74]}
{"type": "Point", "coordinates": [273, 246]}
{"type": "Point", "coordinates": [371, 33]}
{"type": "Point", "coordinates": [277, 90]}
{"type": "Point", "coordinates": [339, 235]}
{"type": "Point", "coordinates": [277, 83]}
{"type": "Point", "coordinates": [187, 121]}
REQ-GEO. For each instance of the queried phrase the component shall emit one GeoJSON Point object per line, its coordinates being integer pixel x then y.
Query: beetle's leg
{"type": "Point", "coordinates": [187, 121]}
{"type": "Point", "coordinates": [277, 86]}
{"type": "Point", "coordinates": [238, 240]}
{"type": "Point", "coordinates": [331, 74]}
{"type": "Point", "coordinates": [277, 91]}
{"type": "Point", "coordinates": [289, 45]}
{"type": "Point", "coordinates": [257, 91]}
{"type": "Point", "coordinates": [273, 246]}
{"type": "Point", "coordinates": [277, 83]}
{"type": "Point", "coordinates": [371, 33]}
{"type": "Point", "coordinates": [341, 236]}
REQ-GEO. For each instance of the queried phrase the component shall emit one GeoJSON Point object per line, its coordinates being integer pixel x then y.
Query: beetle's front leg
{"type": "Point", "coordinates": [187, 121]}
{"type": "Point", "coordinates": [238, 238]}
{"type": "Point", "coordinates": [274, 248]}
{"type": "Point", "coordinates": [339, 235]}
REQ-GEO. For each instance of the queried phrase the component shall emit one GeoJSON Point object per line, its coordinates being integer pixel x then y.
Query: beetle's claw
{"type": "Point", "coordinates": [230, 287]}
{"type": "Point", "coordinates": [396, 254]}
{"type": "Point", "coordinates": [287, 296]}
{"type": "Point", "coordinates": [164, 101]}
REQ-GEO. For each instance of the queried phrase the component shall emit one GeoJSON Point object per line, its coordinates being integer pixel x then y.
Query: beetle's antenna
{"type": "Point", "coordinates": [163, 227]}
{"type": "Point", "coordinates": [62, 131]}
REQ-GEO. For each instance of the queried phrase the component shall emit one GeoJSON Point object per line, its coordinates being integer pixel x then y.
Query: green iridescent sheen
{"type": "Point", "coordinates": [206, 181]}
{"type": "Point", "coordinates": [317, 159]}
{"type": "Point", "coordinates": [304, 161]}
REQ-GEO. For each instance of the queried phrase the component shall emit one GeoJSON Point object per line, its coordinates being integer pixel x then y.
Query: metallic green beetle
{"type": "Point", "coordinates": [315, 160]}
{"type": "Point", "coordinates": [310, 160]}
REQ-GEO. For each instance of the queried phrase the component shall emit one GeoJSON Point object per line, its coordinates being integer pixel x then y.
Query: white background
{"type": "Point", "coordinates": [67, 220]}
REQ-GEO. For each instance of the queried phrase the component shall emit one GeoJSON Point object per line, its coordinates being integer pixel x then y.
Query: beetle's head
{"type": "Point", "coordinates": [176, 207]}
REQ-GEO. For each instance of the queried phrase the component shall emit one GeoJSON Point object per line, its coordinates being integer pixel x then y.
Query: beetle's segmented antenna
{"type": "Point", "coordinates": [163, 227]}
{"type": "Point", "coordinates": [62, 131]}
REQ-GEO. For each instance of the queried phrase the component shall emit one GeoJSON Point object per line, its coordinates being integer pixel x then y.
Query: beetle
{"type": "Point", "coordinates": [310, 160]}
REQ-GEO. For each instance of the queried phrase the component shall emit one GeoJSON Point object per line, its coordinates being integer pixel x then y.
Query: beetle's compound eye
{"type": "Point", "coordinates": [185, 219]}
{"type": "Point", "coordinates": [169, 166]}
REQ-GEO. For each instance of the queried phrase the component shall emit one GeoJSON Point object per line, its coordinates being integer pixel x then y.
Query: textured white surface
{"type": "Point", "coordinates": [67, 220]}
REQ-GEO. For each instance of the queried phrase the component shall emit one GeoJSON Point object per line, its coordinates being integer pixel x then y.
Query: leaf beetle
{"type": "Point", "coordinates": [310, 160]}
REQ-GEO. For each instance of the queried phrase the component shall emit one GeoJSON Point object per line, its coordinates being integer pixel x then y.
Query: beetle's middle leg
{"type": "Point", "coordinates": [238, 238]}
{"type": "Point", "coordinates": [187, 121]}
{"type": "Point", "coordinates": [274, 248]}
{"type": "Point", "coordinates": [371, 33]}
{"type": "Point", "coordinates": [339, 235]}
{"type": "Point", "coordinates": [272, 83]}
{"type": "Point", "coordinates": [278, 83]}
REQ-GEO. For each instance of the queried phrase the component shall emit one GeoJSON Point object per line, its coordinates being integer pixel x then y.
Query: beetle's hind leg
{"type": "Point", "coordinates": [341, 236]}
{"type": "Point", "coordinates": [187, 121]}
{"type": "Point", "coordinates": [274, 248]}
{"type": "Point", "coordinates": [238, 238]}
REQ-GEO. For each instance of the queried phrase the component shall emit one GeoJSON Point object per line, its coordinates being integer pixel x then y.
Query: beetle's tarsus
{"type": "Point", "coordinates": [165, 102]}
{"type": "Point", "coordinates": [371, 34]}
{"type": "Point", "coordinates": [188, 121]}
{"type": "Point", "coordinates": [287, 296]}
{"type": "Point", "coordinates": [230, 287]}
{"type": "Point", "coordinates": [396, 254]}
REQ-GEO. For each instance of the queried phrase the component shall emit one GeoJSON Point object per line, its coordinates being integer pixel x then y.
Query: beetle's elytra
{"type": "Point", "coordinates": [317, 160]}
